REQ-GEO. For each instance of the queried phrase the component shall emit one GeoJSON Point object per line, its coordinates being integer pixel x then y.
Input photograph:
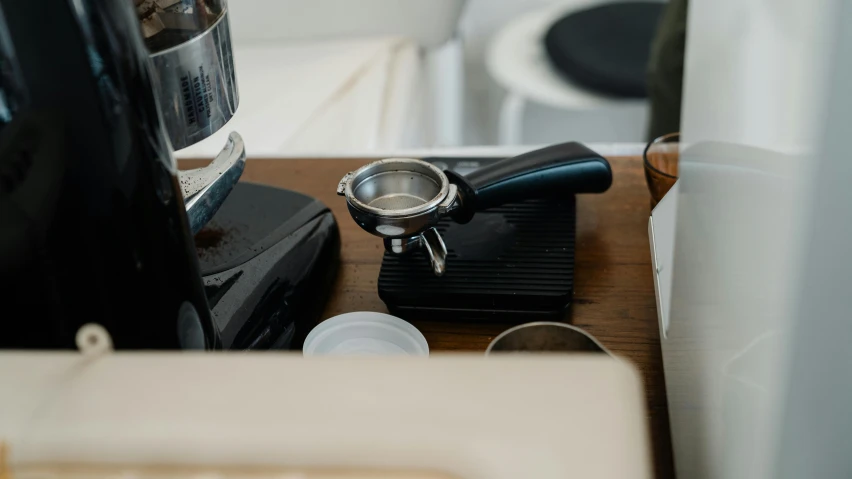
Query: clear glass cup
{"type": "Point", "coordinates": [661, 159]}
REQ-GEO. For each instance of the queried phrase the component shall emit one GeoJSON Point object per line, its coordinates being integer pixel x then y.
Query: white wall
{"type": "Point", "coordinates": [482, 18]}
{"type": "Point", "coordinates": [429, 22]}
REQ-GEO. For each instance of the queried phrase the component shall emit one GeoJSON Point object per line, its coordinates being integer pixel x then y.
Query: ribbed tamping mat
{"type": "Point", "coordinates": [513, 263]}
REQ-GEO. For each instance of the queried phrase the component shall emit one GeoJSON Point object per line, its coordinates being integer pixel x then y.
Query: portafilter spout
{"type": "Point", "coordinates": [430, 240]}
{"type": "Point", "coordinates": [402, 199]}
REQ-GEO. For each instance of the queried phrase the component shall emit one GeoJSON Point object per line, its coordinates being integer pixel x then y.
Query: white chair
{"type": "Point", "coordinates": [517, 61]}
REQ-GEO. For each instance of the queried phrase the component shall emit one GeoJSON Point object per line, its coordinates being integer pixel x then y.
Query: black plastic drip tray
{"type": "Point", "coordinates": [512, 263]}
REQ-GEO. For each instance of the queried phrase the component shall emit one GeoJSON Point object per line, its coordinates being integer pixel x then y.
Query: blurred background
{"type": "Point", "coordinates": [336, 76]}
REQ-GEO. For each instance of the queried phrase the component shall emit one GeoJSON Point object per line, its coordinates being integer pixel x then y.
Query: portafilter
{"type": "Point", "coordinates": [401, 199]}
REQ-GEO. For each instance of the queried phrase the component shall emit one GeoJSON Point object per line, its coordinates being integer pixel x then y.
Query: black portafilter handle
{"type": "Point", "coordinates": [557, 171]}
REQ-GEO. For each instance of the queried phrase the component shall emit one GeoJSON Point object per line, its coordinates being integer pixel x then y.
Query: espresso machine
{"type": "Point", "coordinates": [97, 223]}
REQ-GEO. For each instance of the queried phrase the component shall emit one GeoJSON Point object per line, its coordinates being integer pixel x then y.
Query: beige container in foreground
{"type": "Point", "coordinates": [153, 415]}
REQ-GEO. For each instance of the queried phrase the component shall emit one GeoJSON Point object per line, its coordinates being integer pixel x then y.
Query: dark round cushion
{"type": "Point", "coordinates": [606, 48]}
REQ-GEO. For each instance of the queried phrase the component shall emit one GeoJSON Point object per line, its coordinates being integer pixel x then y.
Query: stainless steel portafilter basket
{"type": "Point", "coordinates": [401, 199]}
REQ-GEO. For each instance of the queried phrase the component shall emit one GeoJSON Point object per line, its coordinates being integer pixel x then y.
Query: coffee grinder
{"type": "Point", "coordinates": [267, 269]}
{"type": "Point", "coordinates": [98, 224]}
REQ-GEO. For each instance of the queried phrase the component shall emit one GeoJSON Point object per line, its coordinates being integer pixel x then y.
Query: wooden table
{"type": "Point", "coordinates": [614, 290]}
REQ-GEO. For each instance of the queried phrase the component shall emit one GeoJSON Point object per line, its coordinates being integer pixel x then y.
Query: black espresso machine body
{"type": "Point", "coordinates": [92, 221]}
{"type": "Point", "coordinates": [269, 259]}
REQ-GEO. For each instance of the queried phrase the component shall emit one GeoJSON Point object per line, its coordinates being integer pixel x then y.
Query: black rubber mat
{"type": "Point", "coordinates": [512, 263]}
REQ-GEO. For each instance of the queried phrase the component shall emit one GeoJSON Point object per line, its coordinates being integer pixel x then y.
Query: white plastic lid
{"type": "Point", "coordinates": [365, 333]}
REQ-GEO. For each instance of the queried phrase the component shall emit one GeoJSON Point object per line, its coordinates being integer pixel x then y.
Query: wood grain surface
{"type": "Point", "coordinates": [614, 290]}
